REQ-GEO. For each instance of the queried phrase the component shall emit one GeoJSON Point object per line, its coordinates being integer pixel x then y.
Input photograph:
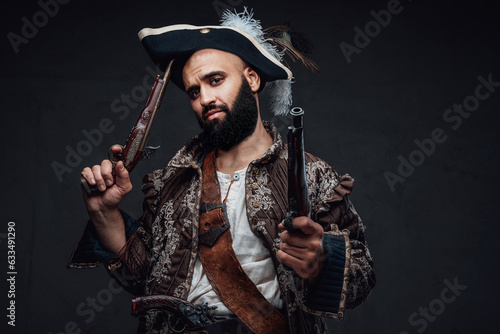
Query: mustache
{"type": "Point", "coordinates": [210, 107]}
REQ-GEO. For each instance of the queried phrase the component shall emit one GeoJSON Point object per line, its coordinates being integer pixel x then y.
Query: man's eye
{"type": "Point", "coordinates": [215, 81]}
{"type": "Point", "coordinates": [194, 94]}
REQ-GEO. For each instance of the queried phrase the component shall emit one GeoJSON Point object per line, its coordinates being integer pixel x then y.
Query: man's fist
{"type": "Point", "coordinates": [113, 183]}
{"type": "Point", "coordinates": [302, 250]}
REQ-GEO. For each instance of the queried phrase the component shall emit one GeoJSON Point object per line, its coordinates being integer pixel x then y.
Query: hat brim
{"type": "Point", "coordinates": [181, 41]}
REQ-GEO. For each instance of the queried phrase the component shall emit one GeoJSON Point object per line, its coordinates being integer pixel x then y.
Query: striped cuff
{"type": "Point", "coordinates": [326, 294]}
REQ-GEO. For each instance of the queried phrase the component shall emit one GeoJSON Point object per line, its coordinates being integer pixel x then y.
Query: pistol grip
{"type": "Point", "coordinates": [90, 190]}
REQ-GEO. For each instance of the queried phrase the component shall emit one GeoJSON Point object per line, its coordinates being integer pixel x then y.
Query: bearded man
{"type": "Point", "coordinates": [228, 181]}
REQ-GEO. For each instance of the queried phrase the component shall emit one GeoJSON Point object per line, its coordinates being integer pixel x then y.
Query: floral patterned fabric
{"type": "Point", "coordinates": [160, 257]}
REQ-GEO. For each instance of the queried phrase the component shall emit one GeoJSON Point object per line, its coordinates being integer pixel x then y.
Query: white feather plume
{"type": "Point", "coordinates": [245, 21]}
{"type": "Point", "coordinates": [280, 91]}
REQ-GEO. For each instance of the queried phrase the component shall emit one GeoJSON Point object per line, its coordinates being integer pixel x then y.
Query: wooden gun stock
{"type": "Point", "coordinates": [137, 139]}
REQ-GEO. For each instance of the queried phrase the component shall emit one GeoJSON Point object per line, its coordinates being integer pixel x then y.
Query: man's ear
{"type": "Point", "coordinates": [253, 78]}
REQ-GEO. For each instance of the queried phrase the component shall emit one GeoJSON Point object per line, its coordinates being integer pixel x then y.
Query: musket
{"type": "Point", "coordinates": [298, 195]}
{"type": "Point", "coordinates": [135, 146]}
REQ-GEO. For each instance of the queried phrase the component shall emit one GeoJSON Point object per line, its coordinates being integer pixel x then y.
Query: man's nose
{"type": "Point", "coordinates": [207, 97]}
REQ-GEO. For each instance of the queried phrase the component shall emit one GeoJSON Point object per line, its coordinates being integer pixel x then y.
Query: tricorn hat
{"type": "Point", "coordinates": [238, 34]}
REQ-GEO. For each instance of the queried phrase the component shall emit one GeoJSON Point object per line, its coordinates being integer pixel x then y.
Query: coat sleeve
{"type": "Point", "coordinates": [347, 277]}
{"type": "Point", "coordinates": [131, 267]}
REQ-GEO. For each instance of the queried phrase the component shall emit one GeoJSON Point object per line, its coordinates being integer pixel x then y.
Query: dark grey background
{"type": "Point", "coordinates": [439, 225]}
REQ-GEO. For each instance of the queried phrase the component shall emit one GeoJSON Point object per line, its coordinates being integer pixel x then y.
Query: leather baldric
{"type": "Point", "coordinates": [224, 271]}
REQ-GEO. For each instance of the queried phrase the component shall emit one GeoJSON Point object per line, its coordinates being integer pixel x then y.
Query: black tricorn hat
{"type": "Point", "coordinates": [181, 41]}
{"type": "Point", "coordinates": [241, 35]}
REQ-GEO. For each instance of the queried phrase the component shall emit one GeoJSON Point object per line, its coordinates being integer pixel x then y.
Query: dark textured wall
{"type": "Point", "coordinates": [432, 228]}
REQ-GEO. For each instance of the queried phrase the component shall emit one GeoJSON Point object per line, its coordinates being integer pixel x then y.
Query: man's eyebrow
{"type": "Point", "coordinates": [213, 74]}
{"type": "Point", "coordinates": [205, 77]}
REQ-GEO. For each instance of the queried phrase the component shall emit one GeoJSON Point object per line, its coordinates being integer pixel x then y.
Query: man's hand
{"type": "Point", "coordinates": [113, 184]}
{"type": "Point", "coordinates": [302, 250]}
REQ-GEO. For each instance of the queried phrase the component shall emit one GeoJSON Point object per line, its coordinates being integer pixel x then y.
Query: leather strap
{"type": "Point", "coordinates": [228, 279]}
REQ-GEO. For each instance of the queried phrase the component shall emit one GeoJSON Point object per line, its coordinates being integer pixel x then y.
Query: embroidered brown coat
{"type": "Point", "coordinates": [161, 254]}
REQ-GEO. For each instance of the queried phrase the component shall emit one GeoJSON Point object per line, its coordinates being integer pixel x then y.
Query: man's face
{"type": "Point", "coordinates": [239, 122]}
{"type": "Point", "coordinates": [217, 84]}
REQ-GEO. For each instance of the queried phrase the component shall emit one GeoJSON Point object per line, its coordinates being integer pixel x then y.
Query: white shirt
{"type": "Point", "coordinates": [249, 249]}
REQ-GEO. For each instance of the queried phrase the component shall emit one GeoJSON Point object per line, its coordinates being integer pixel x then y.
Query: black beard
{"type": "Point", "coordinates": [237, 125]}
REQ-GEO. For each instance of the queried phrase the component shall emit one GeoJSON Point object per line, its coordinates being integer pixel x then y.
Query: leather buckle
{"type": "Point", "coordinates": [209, 238]}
